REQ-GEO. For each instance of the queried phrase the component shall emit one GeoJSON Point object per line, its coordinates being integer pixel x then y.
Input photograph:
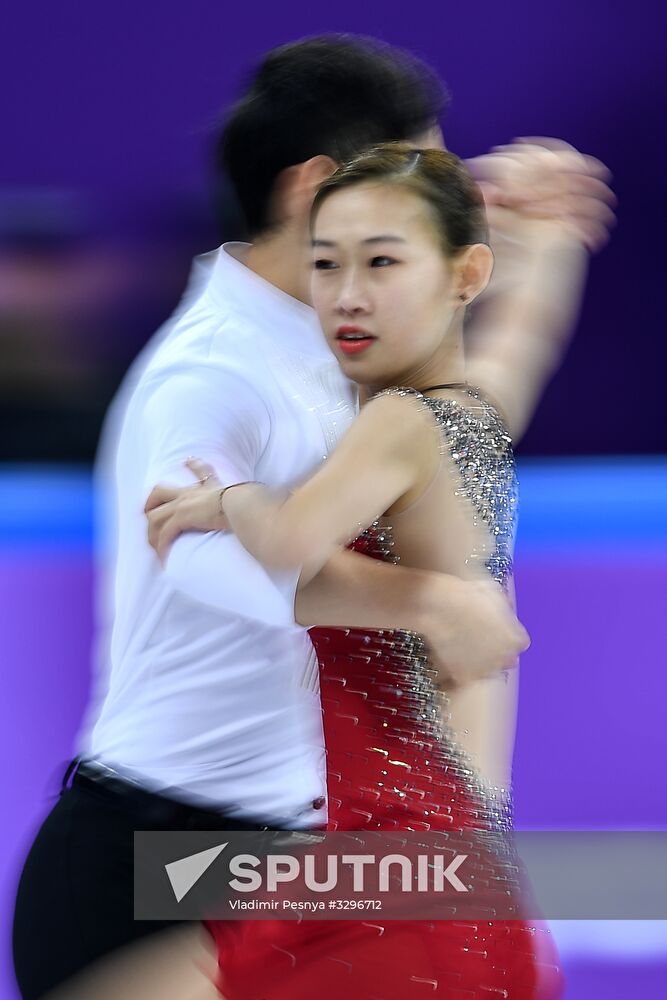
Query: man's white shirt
{"type": "Point", "coordinates": [208, 690]}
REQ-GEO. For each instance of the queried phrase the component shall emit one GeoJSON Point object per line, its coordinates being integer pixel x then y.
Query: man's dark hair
{"type": "Point", "coordinates": [334, 95]}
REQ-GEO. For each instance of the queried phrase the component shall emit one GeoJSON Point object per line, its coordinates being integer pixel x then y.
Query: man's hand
{"type": "Point", "coordinates": [548, 207]}
{"type": "Point", "coordinates": [478, 637]}
{"type": "Point", "coordinates": [549, 179]}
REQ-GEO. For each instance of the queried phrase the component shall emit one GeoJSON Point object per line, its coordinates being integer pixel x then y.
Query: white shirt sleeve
{"type": "Point", "coordinates": [216, 416]}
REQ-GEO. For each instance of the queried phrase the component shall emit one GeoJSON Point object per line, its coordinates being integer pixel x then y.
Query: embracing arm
{"type": "Point", "coordinates": [470, 628]}
{"type": "Point", "coordinates": [391, 448]}
{"type": "Point", "coordinates": [354, 591]}
{"type": "Point", "coordinates": [216, 414]}
{"type": "Point", "coordinates": [222, 419]}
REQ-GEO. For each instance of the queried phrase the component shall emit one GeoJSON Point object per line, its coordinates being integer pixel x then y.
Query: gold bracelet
{"type": "Point", "coordinates": [247, 482]}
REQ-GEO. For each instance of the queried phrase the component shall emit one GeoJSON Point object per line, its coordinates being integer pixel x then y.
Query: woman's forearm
{"type": "Point", "coordinates": [392, 446]}
{"type": "Point", "coordinates": [253, 513]}
{"type": "Point", "coordinates": [271, 527]}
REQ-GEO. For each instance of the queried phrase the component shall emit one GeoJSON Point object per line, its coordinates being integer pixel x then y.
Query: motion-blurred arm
{"type": "Point", "coordinates": [549, 207]}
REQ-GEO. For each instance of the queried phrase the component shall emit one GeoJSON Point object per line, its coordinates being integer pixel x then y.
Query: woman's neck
{"type": "Point", "coordinates": [445, 367]}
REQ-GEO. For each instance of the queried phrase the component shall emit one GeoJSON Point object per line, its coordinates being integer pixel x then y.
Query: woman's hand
{"type": "Point", "coordinates": [173, 510]}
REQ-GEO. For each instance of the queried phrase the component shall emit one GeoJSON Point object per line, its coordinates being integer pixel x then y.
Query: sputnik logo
{"type": "Point", "coordinates": [186, 872]}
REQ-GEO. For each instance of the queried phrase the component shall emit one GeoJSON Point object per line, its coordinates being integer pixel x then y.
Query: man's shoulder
{"type": "Point", "coordinates": [193, 358]}
{"type": "Point", "coordinates": [201, 348]}
{"type": "Point", "coordinates": [207, 335]}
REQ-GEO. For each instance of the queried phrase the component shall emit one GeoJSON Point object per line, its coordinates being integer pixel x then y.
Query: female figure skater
{"type": "Point", "coordinates": [426, 476]}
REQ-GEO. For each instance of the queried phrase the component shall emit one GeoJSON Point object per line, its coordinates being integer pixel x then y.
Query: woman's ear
{"type": "Point", "coordinates": [474, 267]}
{"type": "Point", "coordinates": [295, 187]}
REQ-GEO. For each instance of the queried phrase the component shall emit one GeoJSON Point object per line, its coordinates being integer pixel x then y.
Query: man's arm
{"type": "Point", "coordinates": [217, 414]}
{"type": "Point", "coordinates": [548, 207]}
{"type": "Point", "coordinates": [469, 626]}
{"type": "Point", "coordinates": [517, 340]}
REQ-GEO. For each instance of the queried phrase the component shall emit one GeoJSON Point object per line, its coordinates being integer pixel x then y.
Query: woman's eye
{"type": "Point", "coordinates": [321, 264]}
{"type": "Point", "coordinates": [382, 261]}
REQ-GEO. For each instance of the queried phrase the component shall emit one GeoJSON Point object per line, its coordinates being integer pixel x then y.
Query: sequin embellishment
{"type": "Point", "coordinates": [481, 450]}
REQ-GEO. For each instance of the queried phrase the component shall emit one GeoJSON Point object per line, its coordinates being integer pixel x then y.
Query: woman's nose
{"type": "Point", "coordinates": [352, 299]}
{"type": "Point", "coordinates": [348, 308]}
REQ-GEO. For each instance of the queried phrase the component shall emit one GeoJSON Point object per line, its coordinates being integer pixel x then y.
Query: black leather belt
{"type": "Point", "coordinates": [148, 808]}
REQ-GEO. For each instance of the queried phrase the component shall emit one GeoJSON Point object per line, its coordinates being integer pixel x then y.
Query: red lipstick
{"type": "Point", "coordinates": [353, 339]}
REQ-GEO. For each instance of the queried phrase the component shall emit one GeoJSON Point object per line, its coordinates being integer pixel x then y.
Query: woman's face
{"type": "Point", "coordinates": [382, 286]}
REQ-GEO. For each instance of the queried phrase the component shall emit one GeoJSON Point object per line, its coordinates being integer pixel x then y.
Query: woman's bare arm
{"type": "Point", "coordinates": [391, 447]}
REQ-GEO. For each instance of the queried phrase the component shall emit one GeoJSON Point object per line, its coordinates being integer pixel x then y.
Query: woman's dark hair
{"type": "Point", "coordinates": [439, 178]}
{"type": "Point", "coordinates": [332, 95]}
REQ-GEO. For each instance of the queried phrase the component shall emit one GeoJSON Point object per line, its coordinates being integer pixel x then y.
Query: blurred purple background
{"type": "Point", "coordinates": [105, 195]}
{"type": "Point", "coordinates": [105, 187]}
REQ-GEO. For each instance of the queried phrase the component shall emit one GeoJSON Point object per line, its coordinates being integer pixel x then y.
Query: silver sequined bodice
{"type": "Point", "coordinates": [481, 450]}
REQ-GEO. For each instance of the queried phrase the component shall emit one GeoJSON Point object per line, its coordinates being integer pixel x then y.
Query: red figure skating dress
{"type": "Point", "coordinates": [393, 763]}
